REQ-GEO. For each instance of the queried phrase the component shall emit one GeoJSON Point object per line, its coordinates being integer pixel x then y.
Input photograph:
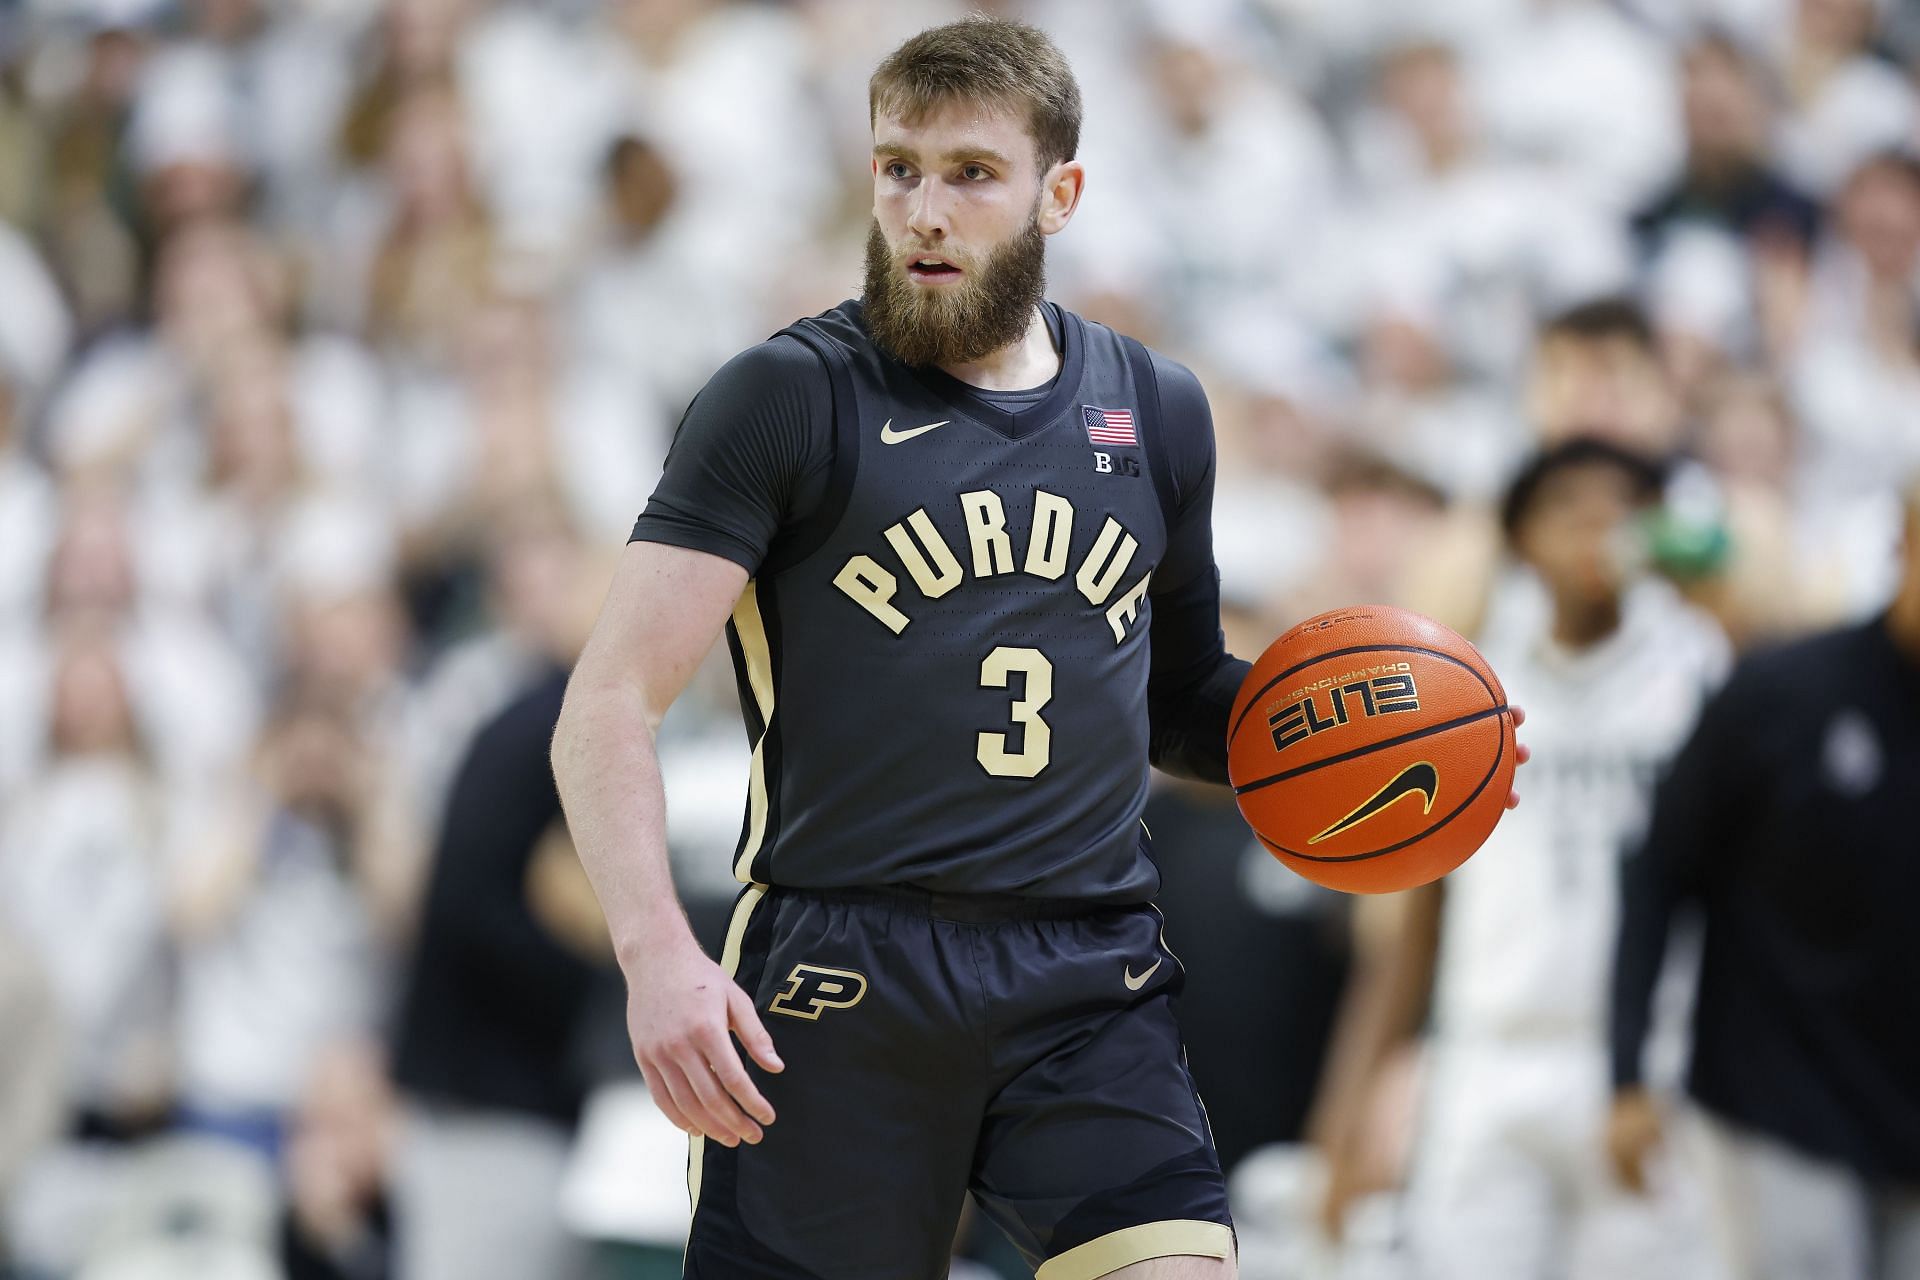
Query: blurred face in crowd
{"type": "Point", "coordinates": [1726, 114]}
{"type": "Point", "coordinates": [347, 644]}
{"type": "Point", "coordinates": [427, 159]}
{"type": "Point", "coordinates": [1422, 86]}
{"type": "Point", "coordinates": [421, 35]}
{"type": "Point", "coordinates": [215, 285]}
{"type": "Point", "coordinates": [1608, 385]}
{"type": "Point", "coordinates": [1188, 78]}
{"type": "Point", "coordinates": [533, 564]}
{"type": "Point", "coordinates": [1576, 535]}
{"type": "Point", "coordinates": [1747, 434]}
{"type": "Point", "coordinates": [1880, 218]}
{"type": "Point", "coordinates": [91, 712]}
{"type": "Point", "coordinates": [1377, 515]}
{"type": "Point", "coordinates": [956, 257]}
{"type": "Point", "coordinates": [90, 578]}
{"type": "Point", "coordinates": [311, 759]}
{"type": "Point", "coordinates": [640, 185]}
{"type": "Point", "coordinates": [1836, 24]}
{"type": "Point", "coordinates": [252, 448]}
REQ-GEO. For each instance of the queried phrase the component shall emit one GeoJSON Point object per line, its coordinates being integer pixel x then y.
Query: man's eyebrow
{"type": "Point", "coordinates": [958, 155]}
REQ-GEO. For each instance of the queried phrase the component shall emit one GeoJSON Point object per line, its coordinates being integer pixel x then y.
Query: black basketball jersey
{"type": "Point", "coordinates": [944, 668]}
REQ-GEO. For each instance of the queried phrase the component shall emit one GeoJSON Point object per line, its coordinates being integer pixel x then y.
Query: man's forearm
{"type": "Point", "coordinates": [609, 779]}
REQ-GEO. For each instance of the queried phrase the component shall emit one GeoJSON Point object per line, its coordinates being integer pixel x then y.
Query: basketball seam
{"type": "Point", "coordinates": [1341, 653]}
{"type": "Point", "coordinates": [1344, 756]}
{"type": "Point", "coordinates": [1499, 756]}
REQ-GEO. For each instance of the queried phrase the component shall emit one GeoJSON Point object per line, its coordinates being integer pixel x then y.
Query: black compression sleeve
{"type": "Point", "coordinates": [752, 454]}
{"type": "Point", "coordinates": [1193, 679]}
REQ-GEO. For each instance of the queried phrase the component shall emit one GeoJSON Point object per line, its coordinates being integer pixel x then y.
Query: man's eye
{"type": "Point", "coordinates": [896, 170]}
{"type": "Point", "coordinates": [974, 173]}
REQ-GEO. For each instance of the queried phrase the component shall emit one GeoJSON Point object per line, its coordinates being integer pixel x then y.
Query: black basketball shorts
{"type": "Point", "coordinates": [1023, 1050]}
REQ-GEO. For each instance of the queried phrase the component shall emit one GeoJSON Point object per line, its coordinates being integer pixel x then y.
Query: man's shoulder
{"type": "Point", "coordinates": [1179, 386]}
{"type": "Point", "coordinates": [1783, 671]}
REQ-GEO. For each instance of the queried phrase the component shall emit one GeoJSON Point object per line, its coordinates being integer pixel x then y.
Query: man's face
{"type": "Point", "coordinates": [956, 255]}
{"type": "Point", "coordinates": [1606, 386]}
{"type": "Point", "coordinates": [1576, 534]}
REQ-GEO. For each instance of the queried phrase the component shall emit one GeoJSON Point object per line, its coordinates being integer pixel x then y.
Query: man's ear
{"type": "Point", "coordinates": [1060, 190]}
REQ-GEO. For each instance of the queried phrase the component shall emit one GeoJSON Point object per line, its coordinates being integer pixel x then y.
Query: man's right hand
{"type": "Point", "coordinates": [1633, 1131]}
{"type": "Point", "coordinates": [681, 1007]}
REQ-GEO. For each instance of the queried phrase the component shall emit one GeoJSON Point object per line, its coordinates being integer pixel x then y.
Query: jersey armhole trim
{"type": "Point", "coordinates": [811, 532]}
{"type": "Point", "coordinates": [1147, 381]}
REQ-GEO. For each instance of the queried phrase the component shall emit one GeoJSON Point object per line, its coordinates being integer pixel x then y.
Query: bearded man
{"type": "Point", "coordinates": [959, 539]}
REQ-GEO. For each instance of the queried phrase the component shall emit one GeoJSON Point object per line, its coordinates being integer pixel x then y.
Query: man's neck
{"type": "Point", "coordinates": [1903, 619]}
{"type": "Point", "coordinates": [1580, 625]}
{"type": "Point", "coordinates": [1019, 365]}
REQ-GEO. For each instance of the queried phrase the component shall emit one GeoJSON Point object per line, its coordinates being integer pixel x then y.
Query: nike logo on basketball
{"type": "Point", "coordinates": [1133, 983]}
{"type": "Point", "coordinates": [1419, 777]}
{"type": "Point", "coordinates": [889, 436]}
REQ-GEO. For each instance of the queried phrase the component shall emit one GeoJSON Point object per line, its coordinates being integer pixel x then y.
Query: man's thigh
{"type": "Point", "coordinates": [1095, 1155]}
{"type": "Point", "coordinates": [862, 1174]}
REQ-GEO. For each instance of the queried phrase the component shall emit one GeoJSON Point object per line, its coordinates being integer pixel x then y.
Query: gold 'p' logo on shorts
{"type": "Point", "coordinates": [813, 989]}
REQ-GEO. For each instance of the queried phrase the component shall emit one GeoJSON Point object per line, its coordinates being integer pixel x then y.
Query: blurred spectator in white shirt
{"type": "Point", "coordinates": [642, 306]}
{"type": "Point", "coordinates": [1574, 85]}
{"type": "Point", "coordinates": [1856, 378]}
{"type": "Point", "coordinates": [82, 876]}
{"type": "Point", "coordinates": [277, 943]}
{"type": "Point", "coordinates": [1844, 101]}
{"type": "Point", "coordinates": [192, 694]}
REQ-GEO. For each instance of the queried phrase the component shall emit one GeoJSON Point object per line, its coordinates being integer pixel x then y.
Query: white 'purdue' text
{"type": "Point", "coordinates": [936, 569]}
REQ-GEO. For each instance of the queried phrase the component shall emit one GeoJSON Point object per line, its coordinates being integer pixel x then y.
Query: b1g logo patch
{"type": "Point", "coordinates": [813, 989]}
{"type": "Point", "coordinates": [1372, 695]}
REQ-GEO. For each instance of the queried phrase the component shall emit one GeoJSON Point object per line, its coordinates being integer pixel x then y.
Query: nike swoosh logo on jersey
{"type": "Point", "coordinates": [1133, 983]}
{"type": "Point", "coordinates": [1419, 777]}
{"type": "Point", "coordinates": [889, 436]}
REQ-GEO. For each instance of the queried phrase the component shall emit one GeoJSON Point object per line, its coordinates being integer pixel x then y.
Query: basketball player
{"type": "Point", "coordinates": [1788, 823]}
{"type": "Point", "coordinates": [959, 539]}
{"type": "Point", "coordinates": [1510, 1180]}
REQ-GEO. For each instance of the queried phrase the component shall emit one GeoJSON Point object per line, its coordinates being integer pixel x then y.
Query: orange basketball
{"type": "Point", "coordinates": [1371, 749]}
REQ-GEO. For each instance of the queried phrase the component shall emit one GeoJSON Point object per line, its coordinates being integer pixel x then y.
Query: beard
{"type": "Point", "coordinates": [955, 324]}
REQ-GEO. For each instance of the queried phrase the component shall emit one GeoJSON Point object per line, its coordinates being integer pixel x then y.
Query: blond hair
{"type": "Point", "coordinates": [992, 61]}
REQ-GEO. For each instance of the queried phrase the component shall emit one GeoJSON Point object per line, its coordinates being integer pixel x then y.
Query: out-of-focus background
{"type": "Point", "coordinates": [342, 340]}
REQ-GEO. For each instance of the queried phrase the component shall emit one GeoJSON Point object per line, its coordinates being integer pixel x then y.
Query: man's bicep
{"type": "Point", "coordinates": [662, 614]}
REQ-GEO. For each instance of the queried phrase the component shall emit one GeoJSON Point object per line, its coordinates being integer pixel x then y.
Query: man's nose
{"type": "Point", "coordinates": [927, 211]}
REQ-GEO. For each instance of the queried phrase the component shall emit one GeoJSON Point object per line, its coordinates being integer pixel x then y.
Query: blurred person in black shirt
{"type": "Point", "coordinates": [1728, 180]}
{"type": "Point", "coordinates": [1785, 822]}
{"type": "Point", "coordinates": [484, 1056]}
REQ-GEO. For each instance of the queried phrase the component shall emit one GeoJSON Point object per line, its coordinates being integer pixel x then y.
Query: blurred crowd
{"type": "Point", "coordinates": [341, 342]}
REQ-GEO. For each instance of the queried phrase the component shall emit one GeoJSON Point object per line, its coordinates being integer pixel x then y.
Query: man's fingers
{"type": "Point", "coordinates": [721, 1116]}
{"type": "Point", "coordinates": [724, 1061]}
{"type": "Point", "coordinates": [696, 1106]}
{"type": "Point", "coordinates": [1519, 714]}
{"type": "Point", "coordinates": [687, 1101]}
{"type": "Point", "coordinates": [745, 1020]}
{"type": "Point", "coordinates": [657, 1088]}
{"type": "Point", "coordinates": [1631, 1168]}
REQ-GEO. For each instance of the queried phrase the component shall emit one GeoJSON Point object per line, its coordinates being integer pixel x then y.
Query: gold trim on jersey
{"type": "Point", "coordinates": [750, 897]}
{"type": "Point", "coordinates": [1180, 1237]}
{"type": "Point", "coordinates": [751, 628]}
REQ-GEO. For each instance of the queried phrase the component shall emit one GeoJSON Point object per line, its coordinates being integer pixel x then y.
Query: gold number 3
{"type": "Point", "coordinates": [1036, 738]}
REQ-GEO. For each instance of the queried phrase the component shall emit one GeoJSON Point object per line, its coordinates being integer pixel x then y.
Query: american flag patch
{"type": "Point", "coordinates": [1110, 426]}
